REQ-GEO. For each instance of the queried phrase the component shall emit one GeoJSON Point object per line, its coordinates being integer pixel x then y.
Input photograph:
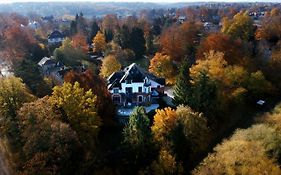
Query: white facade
{"type": "Point", "coordinates": [135, 87]}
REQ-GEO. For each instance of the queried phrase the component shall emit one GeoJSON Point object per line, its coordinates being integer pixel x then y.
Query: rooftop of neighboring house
{"type": "Point", "coordinates": [46, 61]}
{"type": "Point", "coordinates": [55, 34]}
{"type": "Point", "coordinates": [132, 73]}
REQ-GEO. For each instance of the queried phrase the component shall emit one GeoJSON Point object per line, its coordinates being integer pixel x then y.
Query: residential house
{"type": "Point", "coordinates": [47, 19]}
{"type": "Point", "coordinates": [134, 86]}
{"type": "Point", "coordinates": [46, 64]}
{"type": "Point", "coordinates": [56, 37]}
{"type": "Point", "coordinates": [181, 19]}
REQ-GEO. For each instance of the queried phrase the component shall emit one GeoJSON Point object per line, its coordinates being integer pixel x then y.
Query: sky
{"type": "Point", "coordinates": [157, 1]}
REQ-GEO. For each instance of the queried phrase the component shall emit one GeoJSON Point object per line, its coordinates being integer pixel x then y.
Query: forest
{"type": "Point", "coordinates": [219, 62]}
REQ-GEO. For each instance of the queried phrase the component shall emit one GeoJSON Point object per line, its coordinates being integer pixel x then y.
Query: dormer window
{"type": "Point", "coordinates": [146, 80]}
{"type": "Point", "coordinates": [115, 90]}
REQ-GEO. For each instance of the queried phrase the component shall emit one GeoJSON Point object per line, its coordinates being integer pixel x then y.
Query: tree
{"type": "Point", "coordinates": [79, 41]}
{"type": "Point", "coordinates": [122, 37]}
{"type": "Point", "coordinates": [137, 42]}
{"type": "Point", "coordinates": [164, 121]}
{"type": "Point", "coordinates": [238, 157]}
{"type": "Point", "coordinates": [162, 66]}
{"type": "Point", "coordinates": [110, 22]}
{"type": "Point", "coordinates": [94, 30]}
{"type": "Point", "coordinates": [99, 42]}
{"type": "Point", "coordinates": [166, 164]}
{"type": "Point", "coordinates": [13, 94]}
{"type": "Point", "coordinates": [179, 41]}
{"type": "Point", "coordinates": [268, 136]}
{"type": "Point", "coordinates": [137, 134]}
{"type": "Point", "coordinates": [182, 88]}
{"type": "Point", "coordinates": [195, 129]}
{"type": "Point", "coordinates": [232, 49]}
{"type": "Point", "coordinates": [248, 151]}
{"type": "Point", "coordinates": [183, 132]}
{"type": "Point", "coordinates": [30, 74]}
{"type": "Point", "coordinates": [240, 27]}
{"type": "Point", "coordinates": [87, 81]}
{"type": "Point", "coordinates": [73, 27]}
{"type": "Point", "coordinates": [270, 28]}
{"type": "Point", "coordinates": [69, 55]}
{"type": "Point", "coordinates": [18, 43]}
{"type": "Point", "coordinates": [79, 109]}
{"type": "Point", "coordinates": [49, 146]}
{"type": "Point", "coordinates": [109, 65]}
{"type": "Point", "coordinates": [204, 97]}
{"type": "Point", "coordinates": [150, 48]}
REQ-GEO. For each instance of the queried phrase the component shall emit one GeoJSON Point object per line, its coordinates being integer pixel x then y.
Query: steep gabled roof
{"type": "Point", "coordinates": [46, 61]}
{"type": "Point", "coordinates": [56, 34]}
{"type": "Point", "coordinates": [132, 73]}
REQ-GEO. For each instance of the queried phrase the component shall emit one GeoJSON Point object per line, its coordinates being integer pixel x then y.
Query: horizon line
{"type": "Point", "coordinates": [137, 1]}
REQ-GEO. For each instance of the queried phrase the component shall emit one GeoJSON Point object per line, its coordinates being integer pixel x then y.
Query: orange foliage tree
{"type": "Point", "coordinates": [178, 41]}
{"type": "Point", "coordinates": [163, 66]}
{"type": "Point", "coordinates": [233, 49]}
{"type": "Point", "coordinates": [79, 41]}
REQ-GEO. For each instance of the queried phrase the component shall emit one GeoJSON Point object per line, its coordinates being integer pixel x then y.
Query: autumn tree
{"type": "Point", "coordinates": [179, 41]}
{"type": "Point", "coordinates": [162, 66]}
{"type": "Point", "coordinates": [88, 80]}
{"type": "Point", "coordinates": [109, 23]}
{"type": "Point", "coordinates": [249, 151]}
{"type": "Point", "coordinates": [240, 27]}
{"type": "Point", "coordinates": [273, 67]}
{"type": "Point", "coordinates": [69, 55]}
{"type": "Point", "coordinates": [79, 41]}
{"type": "Point", "coordinates": [99, 42]}
{"type": "Point", "coordinates": [181, 131]}
{"type": "Point", "coordinates": [109, 65]}
{"type": "Point", "coordinates": [233, 50]}
{"type": "Point", "coordinates": [49, 145]}
{"type": "Point", "coordinates": [80, 110]}
{"type": "Point", "coordinates": [164, 118]}
{"type": "Point", "coordinates": [13, 94]}
{"type": "Point", "coordinates": [270, 28]}
{"type": "Point", "coordinates": [18, 43]}
{"type": "Point", "coordinates": [238, 157]}
{"type": "Point", "coordinates": [166, 164]}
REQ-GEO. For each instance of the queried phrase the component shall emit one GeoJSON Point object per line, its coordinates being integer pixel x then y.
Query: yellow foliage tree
{"type": "Point", "coordinates": [109, 65]}
{"type": "Point", "coordinates": [80, 109]}
{"type": "Point", "coordinates": [99, 42]}
{"type": "Point", "coordinates": [166, 164]}
{"type": "Point", "coordinates": [163, 66]}
{"type": "Point", "coordinates": [240, 27]}
{"type": "Point", "coordinates": [164, 121]}
{"type": "Point", "coordinates": [238, 157]}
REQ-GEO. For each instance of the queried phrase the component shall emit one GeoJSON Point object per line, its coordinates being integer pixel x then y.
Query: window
{"type": "Point", "coordinates": [129, 90]}
{"type": "Point", "coordinates": [116, 99]}
{"type": "Point", "coordinates": [115, 91]}
{"type": "Point", "coordinates": [140, 89]}
{"type": "Point", "coordinates": [140, 99]}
